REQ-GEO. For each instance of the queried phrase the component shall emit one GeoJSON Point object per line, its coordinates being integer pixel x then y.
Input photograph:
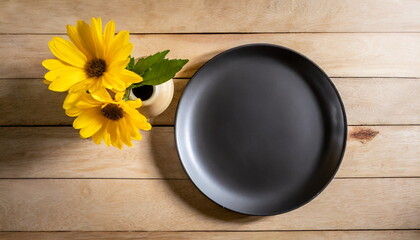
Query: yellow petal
{"type": "Point", "coordinates": [138, 119]}
{"type": "Point", "coordinates": [109, 32]}
{"type": "Point", "coordinates": [99, 135]}
{"type": "Point", "coordinates": [65, 82]}
{"type": "Point", "coordinates": [133, 131]}
{"type": "Point", "coordinates": [118, 65]}
{"type": "Point", "coordinates": [73, 112]}
{"type": "Point", "coordinates": [86, 101]}
{"type": "Point", "coordinates": [101, 95]}
{"type": "Point", "coordinates": [134, 103]}
{"type": "Point", "coordinates": [134, 114]}
{"type": "Point", "coordinates": [71, 100]}
{"type": "Point", "coordinates": [81, 87]}
{"type": "Point", "coordinates": [119, 96]}
{"type": "Point", "coordinates": [91, 129]}
{"type": "Point", "coordinates": [113, 82]}
{"type": "Point", "coordinates": [52, 64]}
{"type": "Point", "coordinates": [119, 143]}
{"type": "Point", "coordinates": [96, 24]}
{"type": "Point", "coordinates": [145, 126]}
{"type": "Point", "coordinates": [62, 71]}
{"type": "Point", "coordinates": [119, 85]}
{"type": "Point", "coordinates": [85, 35]}
{"type": "Point", "coordinates": [120, 53]}
{"type": "Point", "coordinates": [67, 52]}
{"type": "Point", "coordinates": [50, 76]}
{"type": "Point", "coordinates": [130, 77]}
{"type": "Point", "coordinates": [87, 117]}
{"type": "Point", "coordinates": [106, 135]}
{"type": "Point", "coordinates": [96, 84]}
{"type": "Point", "coordinates": [113, 133]}
{"type": "Point", "coordinates": [107, 80]}
{"type": "Point", "coordinates": [75, 38]}
{"type": "Point", "coordinates": [124, 133]}
{"type": "Point", "coordinates": [96, 28]}
{"type": "Point", "coordinates": [120, 40]}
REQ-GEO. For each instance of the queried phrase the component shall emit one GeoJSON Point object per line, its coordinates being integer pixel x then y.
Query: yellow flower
{"type": "Point", "coordinates": [99, 116]}
{"type": "Point", "coordinates": [91, 61]}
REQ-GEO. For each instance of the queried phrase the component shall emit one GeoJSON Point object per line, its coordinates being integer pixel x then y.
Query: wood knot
{"type": "Point", "coordinates": [363, 134]}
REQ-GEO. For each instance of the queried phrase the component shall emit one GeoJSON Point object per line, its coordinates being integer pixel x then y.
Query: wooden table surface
{"type": "Point", "coordinates": [54, 185]}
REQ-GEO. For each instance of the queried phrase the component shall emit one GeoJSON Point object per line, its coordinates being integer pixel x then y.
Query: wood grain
{"type": "Point", "coordinates": [367, 101]}
{"type": "Point", "coordinates": [380, 101]}
{"type": "Point", "coordinates": [58, 152]}
{"type": "Point", "coordinates": [216, 16]}
{"type": "Point", "coordinates": [172, 205]}
{"type": "Point", "coordinates": [339, 54]}
{"type": "Point", "coordinates": [306, 235]}
{"type": "Point", "coordinates": [370, 47]}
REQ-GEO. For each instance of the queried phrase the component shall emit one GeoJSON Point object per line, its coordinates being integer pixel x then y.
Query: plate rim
{"type": "Point", "coordinates": [343, 111]}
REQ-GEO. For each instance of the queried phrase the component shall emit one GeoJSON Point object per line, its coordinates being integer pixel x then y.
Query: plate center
{"type": "Point", "coordinates": [260, 119]}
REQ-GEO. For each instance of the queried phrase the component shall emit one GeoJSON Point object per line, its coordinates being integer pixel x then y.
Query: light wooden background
{"type": "Point", "coordinates": [55, 185]}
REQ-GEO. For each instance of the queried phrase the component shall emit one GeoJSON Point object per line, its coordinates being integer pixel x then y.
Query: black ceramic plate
{"type": "Point", "coordinates": [260, 129]}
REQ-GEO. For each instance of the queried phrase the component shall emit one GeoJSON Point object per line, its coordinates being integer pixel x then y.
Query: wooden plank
{"type": "Point", "coordinates": [339, 54]}
{"type": "Point", "coordinates": [380, 101]}
{"type": "Point", "coordinates": [176, 205]}
{"type": "Point", "coordinates": [58, 152]}
{"type": "Point", "coordinates": [306, 235]}
{"type": "Point", "coordinates": [216, 16]}
{"type": "Point", "coordinates": [364, 101]}
{"type": "Point", "coordinates": [382, 151]}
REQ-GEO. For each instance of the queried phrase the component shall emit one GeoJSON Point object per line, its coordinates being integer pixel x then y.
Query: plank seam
{"type": "Point", "coordinates": [181, 179]}
{"type": "Point", "coordinates": [188, 78]}
{"type": "Point", "coordinates": [226, 33]}
{"type": "Point", "coordinates": [233, 231]}
{"type": "Point", "coordinates": [171, 125]}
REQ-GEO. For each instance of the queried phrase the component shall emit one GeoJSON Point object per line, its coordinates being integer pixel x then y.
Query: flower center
{"type": "Point", "coordinates": [112, 112]}
{"type": "Point", "coordinates": [95, 67]}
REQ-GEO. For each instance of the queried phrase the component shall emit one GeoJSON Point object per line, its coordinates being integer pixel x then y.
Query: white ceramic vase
{"type": "Point", "coordinates": [158, 102]}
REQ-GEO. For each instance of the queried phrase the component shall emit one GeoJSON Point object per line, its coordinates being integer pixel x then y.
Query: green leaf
{"type": "Point", "coordinates": [130, 65]}
{"type": "Point", "coordinates": [144, 64]}
{"type": "Point", "coordinates": [162, 71]}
